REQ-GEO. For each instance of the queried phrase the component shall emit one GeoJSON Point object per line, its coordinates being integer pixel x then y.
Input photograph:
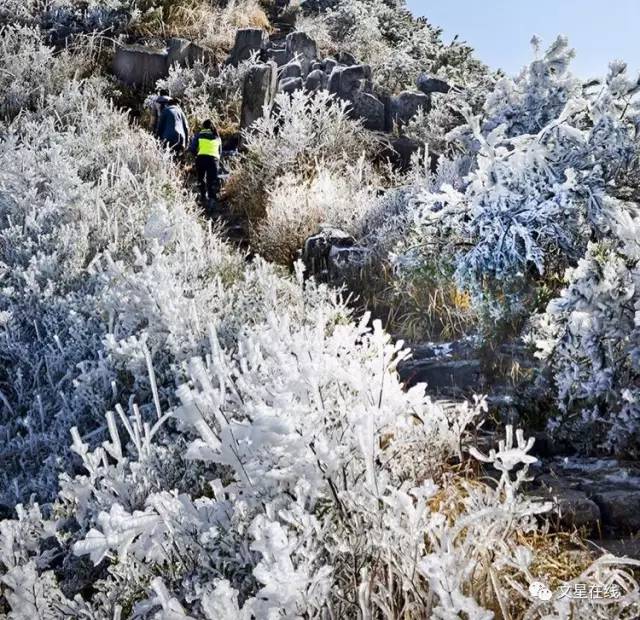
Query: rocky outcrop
{"type": "Point", "coordinates": [186, 53]}
{"type": "Point", "coordinates": [406, 105]}
{"type": "Point", "coordinates": [290, 85]}
{"type": "Point", "coordinates": [370, 110]}
{"type": "Point", "coordinates": [301, 68]}
{"type": "Point", "coordinates": [291, 70]}
{"type": "Point", "coordinates": [316, 80]}
{"type": "Point", "coordinates": [428, 85]}
{"type": "Point", "coordinates": [258, 92]}
{"type": "Point", "coordinates": [278, 55]}
{"type": "Point", "coordinates": [572, 508]}
{"type": "Point", "coordinates": [600, 494]}
{"type": "Point", "coordinates": [348, 82]}
{"type": "Point", "coordinates": [443, 376]}
{"type": "Point", "coordinates": [248, 41]}
{"type": "Point", "coordinates": [333, 255]}
{"type": "Point", "coordinates": [138, 65]}
{"type": "Point", "coordinates": [301, 48]}
{"type": "Point", "coordinates": [620, 507]}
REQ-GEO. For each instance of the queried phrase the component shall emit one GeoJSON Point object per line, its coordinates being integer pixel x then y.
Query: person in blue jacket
{"type": "Point", "coordinates": [173, 128]}
{"type": "Point", "coordinates": [207, 147]}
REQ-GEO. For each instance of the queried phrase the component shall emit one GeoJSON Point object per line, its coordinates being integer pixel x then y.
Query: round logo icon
{"type": "Point", "coordinates": [539, 590]}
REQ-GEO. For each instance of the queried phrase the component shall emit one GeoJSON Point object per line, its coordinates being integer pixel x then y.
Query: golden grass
{"type": "Point", "coordinates": [202, 21]}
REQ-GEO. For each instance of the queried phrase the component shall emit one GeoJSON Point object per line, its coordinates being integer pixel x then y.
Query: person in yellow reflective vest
{"type": "Point", "coordinates": [207, 147]}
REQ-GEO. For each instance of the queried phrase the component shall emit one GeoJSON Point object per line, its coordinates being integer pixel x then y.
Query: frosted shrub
{"type": "Point", "coordinates": [532, 200]}
{"type": "Point", "coordinates": [296, 208]}
{"type": "Point", "coordinates": [303, 130]}
{"type": "Point", "coordinates": [590, 338]}
{"type": "Point", "coordinates": [538, 95]}
{"type": "Point", "coordinates": [29, 72]}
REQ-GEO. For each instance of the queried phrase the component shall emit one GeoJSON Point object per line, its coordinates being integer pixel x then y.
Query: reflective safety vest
{"type": "Point", "coordinates": [208, 145]}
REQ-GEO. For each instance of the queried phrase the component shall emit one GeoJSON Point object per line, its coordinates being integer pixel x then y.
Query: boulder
{"type": "Point", "coordinates": [572, 507]}
{"type": "Point", "coordinates": [291, 70]}
{"type": "Point", "coordinates": [332, 254]}
{"type": "Point", "coordinates": [185, 53]}
{"type": "Point", "coordinates": [328, 65]}
{"type": "Point", "coordinates": [428, 85]}
{"type": "Point", "coordinates": [248, 41]}
{"type": "Point", "coordinates": [290, 85]}
{"type": "Point", "coordinates": [303, 48]}
{"type": "Point", "coordinates": [407, 104]}
{"type": "Point", "coordinates": [400, 149]}
{"type": "Point", "coordinates": [137, 65]}
{"type": "Point", "coordinates": [316, 80]}
{"type": "Point", "coordinates": [258, 92]}
{"type": "Point", "coordinates": [347, 82]}
{"type": "Point", "coordinates": [279, 56]}
{"type": "Point", "coordinates": [370, 109]}
{"type": "Point", "coordinates": [620, 509]}
{"type": "Point", "coordinates": [620, 547]}
{"type": "Point", "coordinates": [451, 376]}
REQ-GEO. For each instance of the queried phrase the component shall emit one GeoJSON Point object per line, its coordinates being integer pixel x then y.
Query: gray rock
{"type": "Point", "coordinates": [279, 56]}
{"type": "Point", "coordinates": [348, 82]}
{"type": "Point", "coordinates": [303, 48]}
{"type": "Point", "coordinates": [428, 85]}
{"type": "Point", "coordinates": [620, 509]}
{"type": "Point", "coordinates": [291, 70]}
{"type": "Point", "coordinates": [258, 92]}
{"type": "Point", "coordinates": [407, 104]}
{"type": "Point", "coordinates": [290, 85]}
{"type": "Point", "coordinates": [248, 41]}
{"type": "Point", "coordinates": [401, 149]}
{"type": "Point", "coordinates": [620, 547]}
{"type": "Point", "coordinates": [448, 375]}
{"type": "Point", "coordinates": [573, 508]}
{"type": "Point", "coordinates": [346, 261]}
{"type": "Point", "coordinates": [185, 53]}
{"type": "Point", "coordinates": [328, 65]}
{"type": "Point", "coordinates": [137, 65]}
{"type": "Point", "coordinates": [333, 254]}
{"type": "Point", "coordinates": [316, 80]}
{"type": "Point", "coordinates": [370, 109]}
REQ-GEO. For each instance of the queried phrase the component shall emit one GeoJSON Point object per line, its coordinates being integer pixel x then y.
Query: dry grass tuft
{"type": "Point", "coordinates": [212, 26]}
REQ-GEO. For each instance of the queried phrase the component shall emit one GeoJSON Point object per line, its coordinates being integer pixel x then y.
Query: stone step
{"type": "Point", "coordinates": [620, 547]}
{"type": "Point", "coordinates": [443, 375]}
{"type": "Point", "coordinates": [582, 485]}
{"type": "Point", "coordinates": [571, 508]}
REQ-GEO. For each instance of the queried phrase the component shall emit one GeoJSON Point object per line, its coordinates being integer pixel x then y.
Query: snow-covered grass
{"type": "Point", "coordinates": [304, 131]}
{"type": "Point", "coordinates": [211, 438]}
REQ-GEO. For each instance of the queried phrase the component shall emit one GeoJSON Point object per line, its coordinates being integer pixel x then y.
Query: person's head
{"type": "Point", "coordinates": [163, 92]}
{"type": "Point", "coordinates": [208, 124]}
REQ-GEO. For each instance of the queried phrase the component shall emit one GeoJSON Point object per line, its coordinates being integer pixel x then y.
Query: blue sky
{"type": "Point", "coordinates": [500, 30]}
